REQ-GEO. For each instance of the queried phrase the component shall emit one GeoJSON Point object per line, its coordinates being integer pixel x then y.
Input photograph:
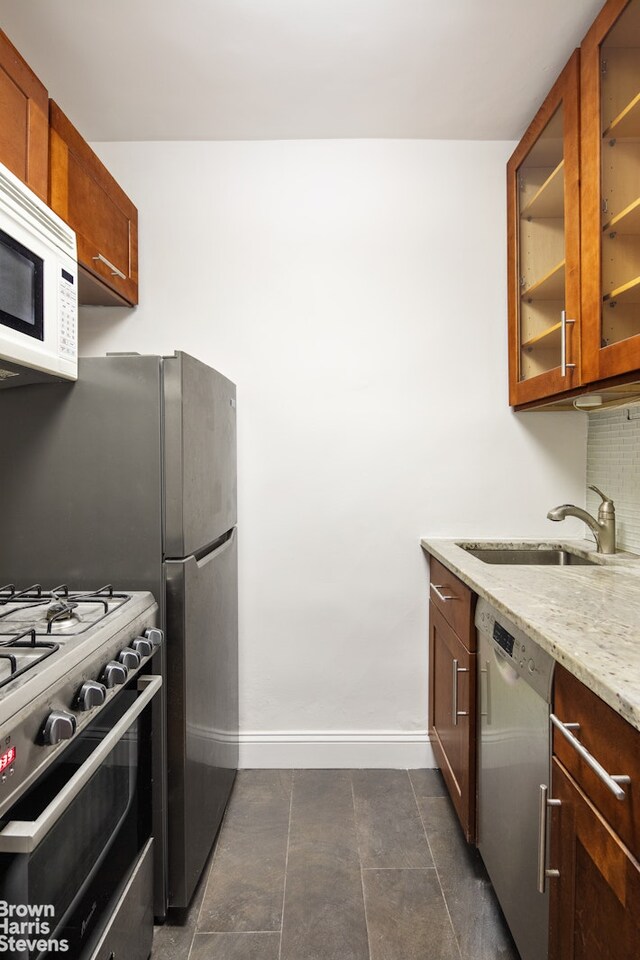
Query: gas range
{"type": "Point", "coordinates": [63, 656]}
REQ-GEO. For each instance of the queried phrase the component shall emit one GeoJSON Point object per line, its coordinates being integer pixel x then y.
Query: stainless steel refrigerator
{"type": "Point", "coordinates": [129, 477]}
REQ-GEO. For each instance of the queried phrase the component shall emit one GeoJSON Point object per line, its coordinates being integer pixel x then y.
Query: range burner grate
{"type": "Point", "coordinates": [20, 643]}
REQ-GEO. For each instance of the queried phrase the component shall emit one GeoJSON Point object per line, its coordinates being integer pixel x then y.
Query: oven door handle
{"type": "Point", "coordinates": [23, 836]}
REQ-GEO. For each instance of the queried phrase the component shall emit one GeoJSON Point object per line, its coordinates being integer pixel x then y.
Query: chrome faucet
{"type": "Point", "coordinates": [604, 528]}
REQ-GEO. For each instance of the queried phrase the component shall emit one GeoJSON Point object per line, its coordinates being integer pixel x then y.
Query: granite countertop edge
{"type": "Point", "coordinates": [587, 650]}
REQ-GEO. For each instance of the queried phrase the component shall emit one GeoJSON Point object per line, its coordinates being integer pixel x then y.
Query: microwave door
{"type": "Point", "coordinates": [21, 288]}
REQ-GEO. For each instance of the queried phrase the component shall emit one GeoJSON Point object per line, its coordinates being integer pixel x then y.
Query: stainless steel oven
{"type": "Point", "coordinates": [76, 848]}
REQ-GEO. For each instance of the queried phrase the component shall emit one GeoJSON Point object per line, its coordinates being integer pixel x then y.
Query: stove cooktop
{"type": "Point", "coordinates": [47, 634]}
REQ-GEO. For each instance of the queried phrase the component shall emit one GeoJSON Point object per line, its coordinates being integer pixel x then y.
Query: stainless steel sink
{"type": "Point", "coordinates": [553, 557]}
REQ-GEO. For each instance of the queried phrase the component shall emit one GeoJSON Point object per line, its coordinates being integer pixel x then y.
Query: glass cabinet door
{"type": "Point", "coordinates": [611, 191]}
{"type": "Point", "coordinates": [544, 257]}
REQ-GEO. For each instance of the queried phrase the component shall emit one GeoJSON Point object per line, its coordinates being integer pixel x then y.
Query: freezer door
{"type": "Point", "coordinates": [82, 475]}
{"type": "Point", "coordinates": [199, 455]}
{"type": "Point", "coordinates": [202, 704]}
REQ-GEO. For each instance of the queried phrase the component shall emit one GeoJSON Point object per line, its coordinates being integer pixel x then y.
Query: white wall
{"type": "Point", "coordinates": [355, 291]}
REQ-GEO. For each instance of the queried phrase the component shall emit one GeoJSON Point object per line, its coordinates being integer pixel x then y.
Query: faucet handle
{"type": "Point", "coordinates": [606, 507]}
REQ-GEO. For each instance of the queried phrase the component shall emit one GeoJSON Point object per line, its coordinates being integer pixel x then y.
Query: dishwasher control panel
{"type": "Point", "coordinates": [512, 645]}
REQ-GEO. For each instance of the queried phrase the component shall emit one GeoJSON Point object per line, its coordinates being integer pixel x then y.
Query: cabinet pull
{"type": "Point", "coordinates": [114, 270]}
{"type": "Point", "coordinates": [612, 781]}
{"type": "Point", "coordinates": [455, 712]}
{"type": "Point", "coordinates": [441, 596]}
{"type": "Point", "coordinates": [563, 344]}
{"type": "Point", "coordinates": [543, 870]}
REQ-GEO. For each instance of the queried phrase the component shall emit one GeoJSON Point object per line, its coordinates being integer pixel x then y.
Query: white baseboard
{"type": "Point", "coordinates": [331, 750]}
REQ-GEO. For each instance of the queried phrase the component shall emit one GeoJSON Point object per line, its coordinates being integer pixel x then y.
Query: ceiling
{"type": "Point", "coordinates": [297, 69]}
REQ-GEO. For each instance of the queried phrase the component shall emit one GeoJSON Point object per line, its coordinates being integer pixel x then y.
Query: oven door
{"type": "Point", "coordinates": [74, 840]}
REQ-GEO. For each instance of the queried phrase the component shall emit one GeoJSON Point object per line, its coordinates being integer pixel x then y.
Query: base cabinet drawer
{"type": "Point", "coordinates": [452, 716]}
{"type": "Point", "coordinates": [454, 600]}
{"type": "Point", "coordinates": [612, 742]}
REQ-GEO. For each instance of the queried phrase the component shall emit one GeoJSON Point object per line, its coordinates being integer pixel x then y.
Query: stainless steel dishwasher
{"type": "Point", "coordinates": [514, 695]}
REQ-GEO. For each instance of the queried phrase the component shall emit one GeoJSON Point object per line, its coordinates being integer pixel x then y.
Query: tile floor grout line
{"type": "Point", "coordinates": [364, 900]}
{"type": "Point", "coordinates": [435, 866]}
{"type": "Point", "coordinates": [234, 933]}
{"type": "Point", "coordinates": [206, 880]}
{"type": "Point", "coordinates": [286, 865]}
{"type": "Point", "coordinates": [397, 868]}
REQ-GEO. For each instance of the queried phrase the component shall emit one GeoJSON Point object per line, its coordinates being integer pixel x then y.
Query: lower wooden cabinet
{"type": "Point", "coordinates": [595, 836]}
{"type": "Point", "coordinates": [452, 715]}
{"type": "Point", "coordinates": [595, 900]}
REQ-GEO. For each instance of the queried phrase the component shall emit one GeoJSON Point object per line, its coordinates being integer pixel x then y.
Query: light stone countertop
{"type": "Point", "coordinates": [587, 617]}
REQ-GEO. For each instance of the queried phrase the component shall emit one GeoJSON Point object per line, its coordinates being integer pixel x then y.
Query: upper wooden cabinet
{"type": "Point", "coordinates": [24, 120]}
{"type": "Point", "coordinates": [610, 79]}
{"type": "Point", "coordinates": [85, 195]}
{"type": "Point", "coordinates": [574, 226]}
{"type": "Point", "coordinates": [543, 178]}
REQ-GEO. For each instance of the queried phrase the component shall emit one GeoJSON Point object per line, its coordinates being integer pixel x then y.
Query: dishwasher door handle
{"type": "Point", "coordinates": [612, 781]}
{"type": "Point", "coordinates": [543, 871]}
{"type": "Point", "coordinates": [454, 695]}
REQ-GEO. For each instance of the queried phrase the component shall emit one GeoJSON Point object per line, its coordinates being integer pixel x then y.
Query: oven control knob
{"type": "Point", "coordinates": [114, 674]}
{"type": "Point", "coordinates": [91, 694]}
{"type": "Point", "coordinates": [142, 646]}
{"type": "Point", "coordinates": [130, 658]}
{"type": "Point", "coordinates": [155, 635]}
{"type": "Point", "coordinates": [58, 726]}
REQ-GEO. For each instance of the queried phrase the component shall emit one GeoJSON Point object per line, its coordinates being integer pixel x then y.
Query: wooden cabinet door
{"type": "Point", "coordinates": [543, 237]}
{"type": "Point", "coordinates": [83, 192]}
{"type": "Point", "coordinates": [595, 902]}
{"type": "Point", "coordinates": [610, 192]}
{"type": "Point", "coordinates": [452, 710]}
{"type": "Point", "coordinates": [24, 120]}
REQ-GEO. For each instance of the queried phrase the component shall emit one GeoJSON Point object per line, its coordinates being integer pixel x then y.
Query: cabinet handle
{"type": "Point", "coordinates": [543, 870]}
{"type": "Point", "coordinates": [441, 596]}
{"type": "Point", "coordinates": [612, 781]}
{"type": "Point", "coordinates": [114, 270]}
{"type": "Point", "coordinates": [455, 712]}
{"type": "Point", "coordinates": [563, 344]}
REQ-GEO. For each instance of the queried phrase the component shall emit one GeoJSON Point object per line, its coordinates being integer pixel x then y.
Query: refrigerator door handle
{"type": "Point", "coordinates": [220, 546]}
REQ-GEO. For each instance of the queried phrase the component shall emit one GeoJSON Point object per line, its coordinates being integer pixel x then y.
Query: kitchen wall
{"type": "Point", "coordinates": [355, 291]}
{"type": "Point", "coordinates": [613, 465]}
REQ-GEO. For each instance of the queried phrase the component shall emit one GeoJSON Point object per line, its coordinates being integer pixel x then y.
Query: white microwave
{"type": "Point", "coordinates": [38, 289]}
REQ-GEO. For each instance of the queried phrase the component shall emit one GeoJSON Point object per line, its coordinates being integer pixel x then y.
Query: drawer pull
{"type": "Point", "coordinates": [436, 587]}
{"type": "Point", "coordinates": [543, 870]}
{"type": "Point", "coordinates": [455, 712]}
{"type": "Point", "coordinates": [612, 781]}
{"type": "Point", "coordinates": [114, 270]}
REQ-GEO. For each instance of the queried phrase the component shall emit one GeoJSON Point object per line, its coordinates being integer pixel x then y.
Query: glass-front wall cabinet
{"type": "Point", "coordinates": [544, 248]}
{"type": "Point", "coordinates": [611, 192]}
{"type": "Point", "coordinates": [620, 177]}
{"type": "Point", "coordinates": [542, 253]}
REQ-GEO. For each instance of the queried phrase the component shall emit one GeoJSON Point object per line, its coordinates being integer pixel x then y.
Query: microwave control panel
{"type": "Point", "coordinates": [67, 315]}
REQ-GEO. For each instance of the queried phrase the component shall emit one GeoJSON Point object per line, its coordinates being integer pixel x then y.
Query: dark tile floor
{"type": "Point", "coordinates": [340, 865]}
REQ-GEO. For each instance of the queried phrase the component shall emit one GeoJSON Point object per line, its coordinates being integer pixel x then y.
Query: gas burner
{"type": "Point", "coordinates": [61, 610]}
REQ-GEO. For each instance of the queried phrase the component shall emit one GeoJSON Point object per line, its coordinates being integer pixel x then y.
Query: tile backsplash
{"type": "Point", "coordinates": [613, 464]}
